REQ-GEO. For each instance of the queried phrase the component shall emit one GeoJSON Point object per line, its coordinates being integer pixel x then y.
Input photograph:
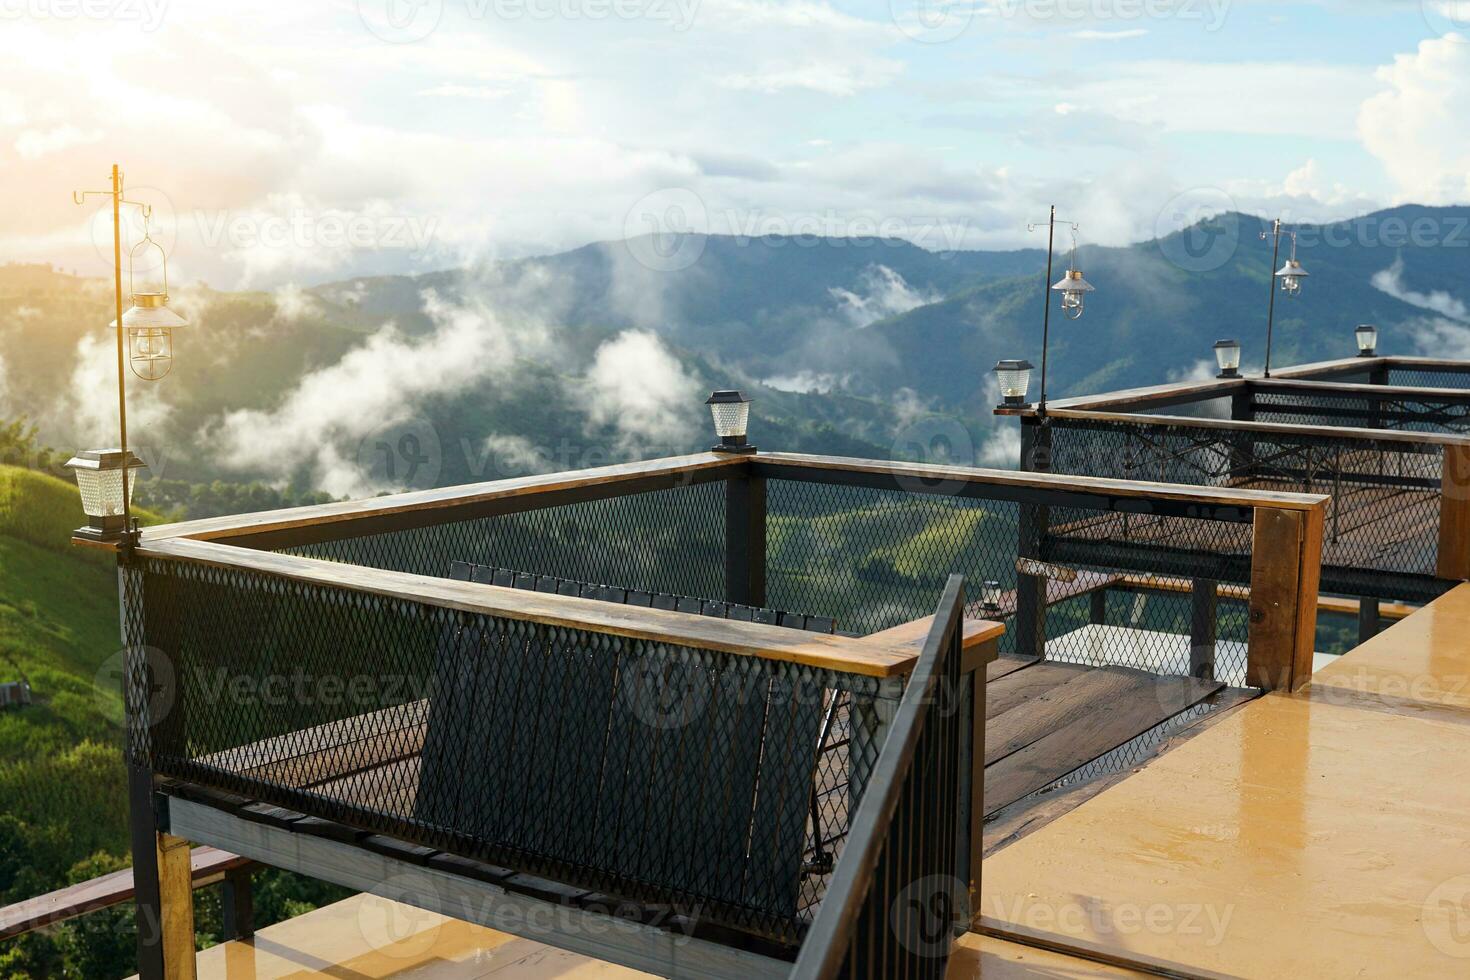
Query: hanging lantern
{"type": "Point", "coordinates": [731, 413]}
{"type": "Point", "coordinates": [1014, 378]}
{"type": "Point", "coordinates": [101, 475]}
{"type": "Point", "coordinates": [1367, 337]}
{"type": "Point", "coordinates": [1291, 275]}
{"type": "Point", "coordinates": [149, 322]}
{"type": "Point", "coordinates": [1074, 290]}
{"type": "Point", "coordinates": [1227, 355]}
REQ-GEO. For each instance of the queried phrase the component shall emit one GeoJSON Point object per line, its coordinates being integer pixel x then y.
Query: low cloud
{"type": "Point", "coordinates": [515, 456]}
{"type": "Point", "coordinates": [637, 387]}
{"type": "Point", "coordinates": [1441, 338]}
{"type": "Point", "coordinates": [1391, 281]}
{"type": "Point", "coordinates": [881, 293]}
{"type": "Point", "coordinates": [806, 382]}
{"type": "Point", "coordinates": [90, 401]}
{"type": "Point", "coordinates": [319, 425]}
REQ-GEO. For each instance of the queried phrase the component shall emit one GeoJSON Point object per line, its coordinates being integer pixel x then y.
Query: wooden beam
{"type": "Point", "coordinates": [1340, 605]}
{"type": "Point", "coordinates": [663, 952]}
{"type": "Point", "coordinates": [176, 891]}
{"type": "Point", "coordinates": [857, 656]}
{"type": "Point", "coordinates": [1454, 515]}
{"type": "Point", "coordinates": [1285, 569]}
{"type": "Point", "coordinates": [445, 499]}
{"type": "Point", "coordinates": [1080, 485]}
{"type": "Point", "coordinates": [1327, 389]}
{"type": "Point", "coordinates": [208, 866]}
{"type": "Point", "coordinates": [1327, 369]}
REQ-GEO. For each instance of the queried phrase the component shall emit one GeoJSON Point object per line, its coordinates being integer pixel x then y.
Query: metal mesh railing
{"type": "Point", "coordinates": [670, 541]}
{"type": "Point", "coordinates": [874, 558]}
{"type": "Point", "coordinates": [1393, 409]}
{"type": "Point", "coordinates": [1425, 377]}
{"type": "Point", "coordinates": [651, 771]}
{"type": "Point", "coordinates": [1381, 535]}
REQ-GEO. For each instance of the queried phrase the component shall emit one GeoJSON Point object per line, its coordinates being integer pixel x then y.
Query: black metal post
{"type": "Point", "coordinates": [1031, 526]}
{"type": "Point", "coordinates": [745, 540]}
{"type": "Point", "coordinates": [1271, 282]}
{"type": "Point", "coordinates": [147, 893]}
{"type": "Point", "coordinates": [1204, 607]}
{"type": "Point", "coordinates": [1369, 620]}
{"type": "Point", "coordinates": [1051, 235]}
{"type": "Point", "coordinates": [237, 904]}
{"type": "Point", "coordinates": [1098, 608]}
{"type": "Point", "coordinates": [1243, 450]}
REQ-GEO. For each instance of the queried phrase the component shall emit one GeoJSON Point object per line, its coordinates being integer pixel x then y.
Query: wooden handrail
{"type": "Point", "coordinates": [208, 865]}
{"type": "Point", "coordinates": [443, 498]}
{"type": "Point", "coordinates": [874, 658]}
{"type": "Point", "coordinates": [1328, 389]}
{"type": "Point", "coordinates": [1325, 603]}
{"type": "Point", "coordinates": [1275, 428]}
{"type": "Point", "coordinates": [1099, 486]}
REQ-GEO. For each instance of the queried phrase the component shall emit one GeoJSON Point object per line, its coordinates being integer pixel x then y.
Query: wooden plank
{"type": "Point", "coordinates": [1341, 605]}
{"type": "Point", "coordinates": [217, 528]}
{"type": "Point", "coordinates": [1149, 395]}
{"type": "Point", "coordinates": [1060, 706]}
{"type": "Point", "coordinates": [857, 656]}
{"type": "Point", "coordinates": [207, 866]}
{"type": "Point", "coordinates": [176, 891]}
{"type": "Point", "coordinates": [1015, 689]}
{"type": "Point", "coordinates": [1007, 664]}
{"type": "Point", "coordinates": [1081, 485]}
{"type": "Point", "coordinates": [662, 952]}
{"type": "Point", "coordinates": [1454, 515]}
{"type": "Point", "coordinates": [1343, 365]}
{"type": "Point", "coordinates": [1090, 735]}
{"type": "Point", "coordinates": [1286, 565]}
{"type": "Point", "coordinates": [1014, 821]}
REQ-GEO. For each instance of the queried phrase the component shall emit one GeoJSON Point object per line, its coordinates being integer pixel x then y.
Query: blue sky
{"type": "Point", "coordinates": [290, 142]}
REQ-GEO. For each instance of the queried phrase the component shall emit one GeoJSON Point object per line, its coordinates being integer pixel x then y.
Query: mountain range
{"type": "Point", "coordinates": [872, 347]}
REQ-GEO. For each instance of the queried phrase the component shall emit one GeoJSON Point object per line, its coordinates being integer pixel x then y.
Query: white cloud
{"type": "Point", "coordinates": [1416, 125]}
{"type": "Point", "coordinates": [881, 293]}
{"type": "Point", "coordinates": [89, 405]}
{"type": "Point", "coordinates": [826, 77]}
{"type": "Point", "coordinates": [321, 423]}
{"type": "Point", "coordinates": [805, 382]}
{"type": "Point", "coordinates": [636, 386]}
{"type": "Point", "coordinates": [32, 144]}
{"type": "Point", "coordinates": [1442, 338]}
{"type": "Point", "coordinates": [512, 455]}
{"type": "Point", "coordinates": [1095, 35]}
{"type": "Point", "coordinates": [1002, 449]}
{"type": "Point", "coordinates": [1391, 281]}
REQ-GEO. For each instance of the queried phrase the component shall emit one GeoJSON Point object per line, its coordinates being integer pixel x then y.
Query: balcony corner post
{"type": "Point", "coordinates": [745, 539]}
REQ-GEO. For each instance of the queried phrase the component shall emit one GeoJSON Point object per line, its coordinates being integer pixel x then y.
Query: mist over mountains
{"type": "Point", "coordinates": [872, 347]}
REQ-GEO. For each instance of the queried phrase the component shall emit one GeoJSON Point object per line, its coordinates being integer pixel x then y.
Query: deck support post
{"type": "Point", "coordinates": [1454, 515]}
{"type": "Point", "coordinates": [971, 824]}
{"type": "Point", "coordinates": [745, 539]}
{"type": "Point", "coordinates": [1097, 607]}
{"type": "Point", "coordinates": [1032, 523]}
{"type": "Point", "coordinates": [1369, 620]}
{"type": "Point", "coordinates": [1203, 617]}
{"type": "Point", "coordinates": [1286, 566]}
{"type": "Point", "coordinates": [237, 904]}
{"type": "Point", "coordinates": [163, 887]}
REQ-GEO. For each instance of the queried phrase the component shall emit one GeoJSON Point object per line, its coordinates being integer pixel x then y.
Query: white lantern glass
{"type": "Point", "coordinates": [1227, 356]}
{"type": "Point", "coordinates": [990, 595]}
{"type": "Point", "coordinates": [732, 419]}
{"type": "Point", "coordinates": [99, 476]}
{"type": "Point", "coordinates": [1014, 378]}
{"type": "Point", "coordinates": [1367, 337]}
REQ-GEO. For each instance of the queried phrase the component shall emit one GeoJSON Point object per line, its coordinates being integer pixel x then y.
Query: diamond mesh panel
{"type": "Point", "coordinates": [1382, 526]}
{"type": "Point", "coordinates": [648, 771]}
{"type": "Point", "coordinates": [1421, 378]}
{"type": "Point", "coordinates": [1407, 414]}
{"type": "Point", "coordinates": [669, 541]}
{"type": "Point", "coordinates": [875, 558]}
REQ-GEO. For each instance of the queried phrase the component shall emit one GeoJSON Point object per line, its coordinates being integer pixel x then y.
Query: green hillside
{"type": "Point", "coordinates": [63, 799]}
